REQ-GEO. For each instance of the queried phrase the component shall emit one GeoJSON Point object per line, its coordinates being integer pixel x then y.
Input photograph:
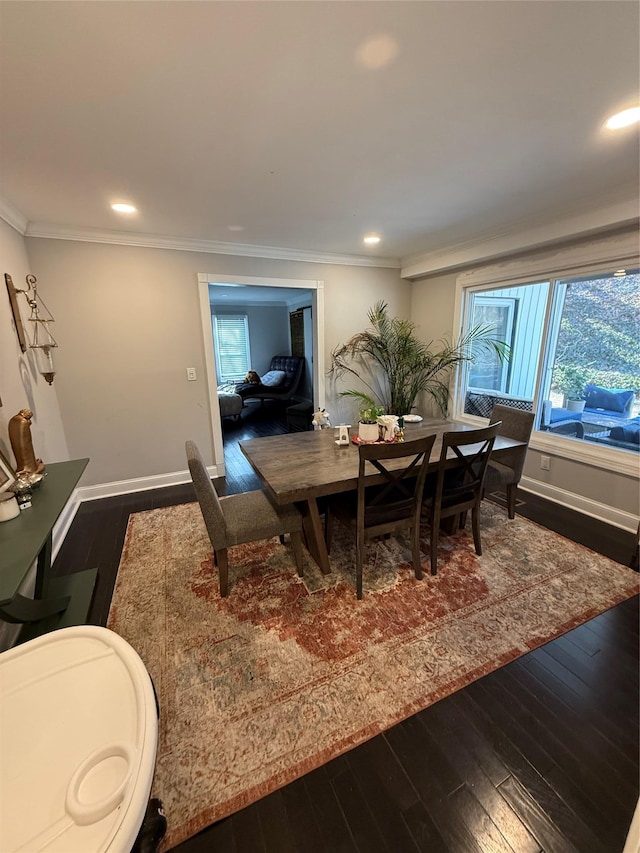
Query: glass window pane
{"type": "Point", "coordinates": [594, 359]}
{"type": "Point", "coordinates": [516, 316]}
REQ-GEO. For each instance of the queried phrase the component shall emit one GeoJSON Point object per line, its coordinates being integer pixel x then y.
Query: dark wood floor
{"type": "Point", "coordinates": [541, 755]}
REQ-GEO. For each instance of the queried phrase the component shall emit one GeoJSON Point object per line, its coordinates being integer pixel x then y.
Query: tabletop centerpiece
{"type": "Point", "coordinates": [368, 427]}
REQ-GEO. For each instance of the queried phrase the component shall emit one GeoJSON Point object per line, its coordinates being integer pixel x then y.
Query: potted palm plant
{"type": "Point", "coordinates": [394, 365]}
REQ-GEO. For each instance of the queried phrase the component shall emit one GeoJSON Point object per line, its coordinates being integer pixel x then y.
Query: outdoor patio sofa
{"type": "Point", "coordinates": [610, 407]}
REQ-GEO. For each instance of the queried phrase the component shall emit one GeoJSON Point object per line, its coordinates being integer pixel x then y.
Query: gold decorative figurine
{"type": "Point", "coordinates": [22, 444]}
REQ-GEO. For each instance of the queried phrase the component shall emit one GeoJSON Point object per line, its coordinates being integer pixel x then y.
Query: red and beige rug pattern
{"type": "Point", "coordinates": [286, 673]}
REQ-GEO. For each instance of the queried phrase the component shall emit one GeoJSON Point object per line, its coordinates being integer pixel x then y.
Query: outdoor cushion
{"type": "Point", "coordinates": [558, 414]}
{"type": "Point", "coordinates": [629, 432]}
{"type": "Point", "coordinates": [273, 378]}
{"type": "Point", "coordinates": [613, 400]}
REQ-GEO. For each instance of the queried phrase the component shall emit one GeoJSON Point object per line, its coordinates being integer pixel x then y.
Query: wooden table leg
{"type": "Point", "coordinates": [314, 534]}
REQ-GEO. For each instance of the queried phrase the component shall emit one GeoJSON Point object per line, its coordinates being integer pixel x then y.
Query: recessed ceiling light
{"type": "Point", "coordinates": [620, 272]}
{"type": "Point", "coordinates": [623, 119]}
{"type": "Point", "coordinates": [371, 240]}
{"type": "Point", "coordinates": [120, 207]}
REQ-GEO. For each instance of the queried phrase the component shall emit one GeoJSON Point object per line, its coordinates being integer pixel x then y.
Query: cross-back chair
{"type": "Point", "coordinates": [458, 486]}
{"type": "Point", "coordinates": [237, 519]}
{"type": "Point", "coordinates": [507, 472]}
{"type": "Point", "coordinates": [391, 504]}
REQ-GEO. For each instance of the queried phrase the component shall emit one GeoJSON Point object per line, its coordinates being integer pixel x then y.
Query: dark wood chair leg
{"type": "Point", "coordinates": [296, 542]}
{"type": "Point", "coordinates": [223, 571]}
{"type": "Point", "coordinates": [359, 561]}
{"type": "Point", "coordinates": [415, 550]}
{"type": "Point", "coordinates": [435, 529]}
{"type": "Point", "coordinates": [328, 529]}
{"type": "Point", "coordinates": [511, 499]}
{"type": "Point", "coordinates": [475, 524]}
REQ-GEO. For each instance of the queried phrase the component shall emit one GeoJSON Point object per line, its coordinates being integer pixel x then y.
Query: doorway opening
{"type": "Point", "coordinates": [285, 315]}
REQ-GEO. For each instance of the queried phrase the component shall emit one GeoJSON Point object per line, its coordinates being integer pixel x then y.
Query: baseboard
{"type": "Point", "coordinates": [610, 515]}
{"type": "Point", "coordinates": [111, 490]}
{"type": "Point", "coordinates": [139, 484]}
{"type": "Point", "coordinates": [62, 525]}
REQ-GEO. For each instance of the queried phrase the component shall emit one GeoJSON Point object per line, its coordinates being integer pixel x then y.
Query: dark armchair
{"type": "Point", "coordinates": [507, 472]}
{"type": "Point", "coordinates": [237, 519]}
{"type": "Point", "coordinates": [390, 507]}
{"type": "Point", "coordinates": [459, 483]}
{"type": "Point", "coordinates": [286, 372]}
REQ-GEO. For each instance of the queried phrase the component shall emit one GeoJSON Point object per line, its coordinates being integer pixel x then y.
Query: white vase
{"type": "Point", "coordinates": [575, 405]}
{"type": "Point", "coordinates": [368, 432]}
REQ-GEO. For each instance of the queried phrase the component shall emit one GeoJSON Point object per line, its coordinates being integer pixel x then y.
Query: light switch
{"type": "Point", "coordinates": [191, 374]}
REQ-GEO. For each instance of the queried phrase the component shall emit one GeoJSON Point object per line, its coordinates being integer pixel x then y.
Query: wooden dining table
{"type": "Point", "coordinates": [304, 467]}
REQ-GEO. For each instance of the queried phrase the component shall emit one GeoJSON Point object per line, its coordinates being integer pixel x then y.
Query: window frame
{"type": "Point", "coordinates": [220, 357]}
{"type": "Point", "coordinates": [508, 304]}
{"type": "Point", "coordinates": [598, 456]}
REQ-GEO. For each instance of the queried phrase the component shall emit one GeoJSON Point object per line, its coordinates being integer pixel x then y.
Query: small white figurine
{"type": "Point", "coordinates": [321, 419]}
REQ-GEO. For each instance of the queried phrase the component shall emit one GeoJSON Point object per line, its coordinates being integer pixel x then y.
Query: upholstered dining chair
{"type": "Point", "coordinates": [458, 485]}
{"type": "Point", "coordinates": [237, 519]}
{"type": "Point", "coordinates": [392, 505]}
{"type": "Point", "coordinates": [507, 472]}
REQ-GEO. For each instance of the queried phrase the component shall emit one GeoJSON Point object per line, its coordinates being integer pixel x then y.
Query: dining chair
{"type": "Point", "coordinates": [389, 506]}
{"type": "Point", "coordinates": [458, 485]}
{"type": "Point", "coordinates": [507, 472]}
{"type": "Point", "coordinates": [237, 519]}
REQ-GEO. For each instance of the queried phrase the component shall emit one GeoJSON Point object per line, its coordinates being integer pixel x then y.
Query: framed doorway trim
{"type": "Point", "coordinates": [204, 280]}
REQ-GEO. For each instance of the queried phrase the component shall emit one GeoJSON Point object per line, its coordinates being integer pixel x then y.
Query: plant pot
{"type": "Point", "coordinates": [575, 405]}
{"type": "Point", "coordinates": [368, 432]}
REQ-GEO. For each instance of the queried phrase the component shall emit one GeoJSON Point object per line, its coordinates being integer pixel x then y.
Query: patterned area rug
{"type": "Point", "coordinates": [286, 673]}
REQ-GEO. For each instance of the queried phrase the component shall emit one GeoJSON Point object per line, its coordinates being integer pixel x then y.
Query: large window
{"type": "Point", "coordinates": [574, 358]}
{"type": "Point", "coordinates": [231, 336]}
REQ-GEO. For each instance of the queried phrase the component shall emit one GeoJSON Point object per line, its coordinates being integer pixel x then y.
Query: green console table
{"type": "Point", "coordinates": [57, 602]}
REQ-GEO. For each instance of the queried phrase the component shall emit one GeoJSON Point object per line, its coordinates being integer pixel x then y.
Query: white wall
{"type": "Point", "coordinates": [21, 386]}
{"type": "Point", "coordinates": [432, 311]}
{"type": "Point", "coordinates": [128, 324]}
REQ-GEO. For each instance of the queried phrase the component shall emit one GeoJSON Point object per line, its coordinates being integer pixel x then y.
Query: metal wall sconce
{"type": "Point", "coordinates": [42, 342]}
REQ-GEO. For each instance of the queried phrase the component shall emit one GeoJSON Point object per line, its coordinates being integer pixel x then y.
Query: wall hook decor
{"type": "Point", "coordinates": [42, 342]}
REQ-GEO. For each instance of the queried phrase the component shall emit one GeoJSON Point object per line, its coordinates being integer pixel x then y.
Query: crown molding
{"type": "Point", "coordinates": [477, 251]}
{"type": "Point", "coordinates": [619, 247]}
{"type": "Point", "coordinates": [12, 216]}
{"type": "Point", "coordinates": [186, 244]}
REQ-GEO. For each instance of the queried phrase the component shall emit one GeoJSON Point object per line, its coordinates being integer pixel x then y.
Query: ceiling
{"type": "Point", "coordinates": [302, 126]}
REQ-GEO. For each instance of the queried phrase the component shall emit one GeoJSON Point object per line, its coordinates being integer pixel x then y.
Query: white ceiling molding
{"type": "Point", "coordinates": [186, 244]}
{"type": "Point", "coordinates": [12, 216]}
{"type": "Point", "coordinates": [616, 248]}
{"type": "Point", "coordinates": [481, 251]}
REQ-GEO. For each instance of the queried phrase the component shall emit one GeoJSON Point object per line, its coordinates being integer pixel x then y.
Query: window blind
{"type": "Point", "coordinates": [231, 333]}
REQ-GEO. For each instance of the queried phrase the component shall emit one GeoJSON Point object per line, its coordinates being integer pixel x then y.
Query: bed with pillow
{"type": "Point", "coordinates": [279, 382]}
